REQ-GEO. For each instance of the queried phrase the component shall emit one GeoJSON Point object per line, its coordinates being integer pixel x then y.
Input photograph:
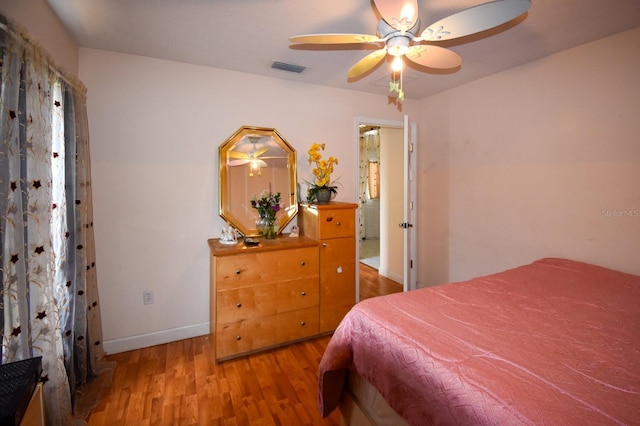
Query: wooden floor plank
{"type": "Point", "coordinates": [180, 383]}
{"type": "Point", "coordinates": [373, 284]}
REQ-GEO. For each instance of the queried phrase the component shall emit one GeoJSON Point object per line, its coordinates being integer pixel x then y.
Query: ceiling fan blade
{"type": "Point", "coordinates": [261, 151]}
{"type": "Point", "coordinates": [400, 14]}
{"type": "Point", "coordinates": [475, 19]}
{"type": "Point", "coordinates": [236, 154]}
{"type": "Point", "coordinates": [367, 63]}
{"type": "Point", "coordinates": [234, 163]}
{"type": "Point", "coordinates": [434, 57]}
{"type": "Point", "coordinates": [335, 38]}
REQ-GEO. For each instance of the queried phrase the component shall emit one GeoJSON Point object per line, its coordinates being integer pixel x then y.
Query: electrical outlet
{"type": "Point", "coordinates": [147, 297]}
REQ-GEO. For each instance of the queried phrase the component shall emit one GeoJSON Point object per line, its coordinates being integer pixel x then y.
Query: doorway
{"type": "Point", "coordinates": [369, 196]}
{"type": "Point", "coordinates": [381, 198]}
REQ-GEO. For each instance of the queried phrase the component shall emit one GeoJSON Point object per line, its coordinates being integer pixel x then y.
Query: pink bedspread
{"type": "Point", "coordinates": [556, 342]}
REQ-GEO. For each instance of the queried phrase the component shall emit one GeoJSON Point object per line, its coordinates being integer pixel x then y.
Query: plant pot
{"type": "Point", "coordinates": [323, 196]}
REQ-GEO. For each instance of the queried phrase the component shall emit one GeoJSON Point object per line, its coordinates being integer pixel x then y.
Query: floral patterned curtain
{"type": "Point", "coordinates": [362, 190]}
{"type": "Point", "coordinates": [374, 180]}
{"type": "Point", "coordinates": [369, 152]}
{"type": "Point", "coordinates": [49, 301]}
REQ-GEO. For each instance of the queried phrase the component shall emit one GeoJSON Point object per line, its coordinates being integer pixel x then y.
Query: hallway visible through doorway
{"type": "Point", "coordinates": [370, 252]}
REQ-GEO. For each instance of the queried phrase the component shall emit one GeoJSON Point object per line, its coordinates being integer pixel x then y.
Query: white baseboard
{"type": "Point", "coordinates": [393, 276]}
{"type": "Point", "coordinates": [156, 338]}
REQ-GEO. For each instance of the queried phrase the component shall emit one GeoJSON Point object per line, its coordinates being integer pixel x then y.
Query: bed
{"type": "Point", "coordinates": [553, 342]}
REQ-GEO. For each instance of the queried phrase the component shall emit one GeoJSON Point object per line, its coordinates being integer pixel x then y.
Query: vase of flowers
{"type": "Point", "coordinates": [268, 205]}
{"type": "Point", "coordinates": [321, 190]}
{"type": "Point", "coordinates": [270, 231]}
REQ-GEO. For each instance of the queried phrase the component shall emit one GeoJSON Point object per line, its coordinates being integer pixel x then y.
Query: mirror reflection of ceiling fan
{"type": "Point", "coordinates": [397, 35]}
{"type": "Point", "coordinates": [254, 156]}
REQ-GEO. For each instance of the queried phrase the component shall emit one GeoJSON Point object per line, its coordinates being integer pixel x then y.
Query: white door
{"type": "Point", "coordinates": [400, 226]}
{"type": "Point", "coordinates": [409, 213]}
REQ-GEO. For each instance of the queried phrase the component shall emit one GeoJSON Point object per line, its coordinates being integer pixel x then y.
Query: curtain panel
{"type": "Point", "coordinates": [49, 303]}
{"type": "Point", "coordinates": [369, 152]}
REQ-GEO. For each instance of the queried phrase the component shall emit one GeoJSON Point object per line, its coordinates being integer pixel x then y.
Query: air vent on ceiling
{"type": "Point", "coordinates": [287, 67]}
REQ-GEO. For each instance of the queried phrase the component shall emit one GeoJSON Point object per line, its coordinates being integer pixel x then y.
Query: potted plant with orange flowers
{"type": "Point", "coordinates": [321, 189]}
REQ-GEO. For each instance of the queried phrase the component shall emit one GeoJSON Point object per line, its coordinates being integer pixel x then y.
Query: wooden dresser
{"type": "Point", "coordinates": [34, 415]}
{"type": "Point", "coordinates": [263, 296]}
{"type": "Point", "coordinates": [333, 225]}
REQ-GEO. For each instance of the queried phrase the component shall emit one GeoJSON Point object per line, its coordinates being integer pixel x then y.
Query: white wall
{"type": "Point", "coordinates": [37, 18]}
{"type": "Point", "coordinates": [155, 129]}
{"type": "Point", "coordinates": [525, 164]}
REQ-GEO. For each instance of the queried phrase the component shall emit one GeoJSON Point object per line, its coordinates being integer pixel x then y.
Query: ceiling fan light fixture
{"type": "Point", "coordinates": [396, 65]}
{"type": "Point", "coordinates": [254, 166]}
{"type": "Point", "coordinates": [398, 46]}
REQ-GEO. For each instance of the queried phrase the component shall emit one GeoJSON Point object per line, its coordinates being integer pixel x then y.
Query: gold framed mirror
{"type": "Point", "coordinates": [252, 161]}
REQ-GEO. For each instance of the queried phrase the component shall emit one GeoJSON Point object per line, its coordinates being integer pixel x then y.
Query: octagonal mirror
{"type": "Point", "coordinates": [253, 161]}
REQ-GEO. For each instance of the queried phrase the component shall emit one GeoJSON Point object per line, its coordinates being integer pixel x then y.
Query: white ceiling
{"type": "Point", "coordinates": [248, 35]}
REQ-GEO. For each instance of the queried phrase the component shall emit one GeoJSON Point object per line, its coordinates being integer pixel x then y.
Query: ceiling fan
{"type": "Point", "coordinates": [245, 157]}
{"type": "Point", "coordinates": [252, 157]}
{"type": "Point", "coordinates": [397, 33]}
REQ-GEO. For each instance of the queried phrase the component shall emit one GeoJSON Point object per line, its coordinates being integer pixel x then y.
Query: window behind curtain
{"type": "Point", "coordinates": [58, 175]}
{"type": "Point", "coordinates": [374, 180]}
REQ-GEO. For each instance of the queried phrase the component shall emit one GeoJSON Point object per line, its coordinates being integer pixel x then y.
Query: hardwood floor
{"type": "Point", "coordinates": [373, 284]}
{"type": "Point", "coordinates": [179, 383]}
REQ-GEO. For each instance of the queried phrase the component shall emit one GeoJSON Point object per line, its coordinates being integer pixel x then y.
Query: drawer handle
{"type": "Point", "coordinates": [302, 323]}
{"type": "Point", "coordinates": [302, 263]}
{"type": "Point", "coordinates": [338, 223]}
{"type": "Point", "coordinates": [238, 338]}
{"type": "Point", "coordinates": [329, 219]}
{"type": "Point", "coordinates": [324, 244]}
{"type": "Point", "coordinates": [239, 305]}
{"type": "Point", "coordinates": [238, 271]}
{"type": "Point", "coordinates": [304, 293]}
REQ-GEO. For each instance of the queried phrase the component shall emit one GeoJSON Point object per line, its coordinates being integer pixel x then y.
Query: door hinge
{"type": "Point", "coordinates": [411, 147]}
{"type": "Point", "coordinates": [410, 205]}
{"type": "Point", "coordinates": [411, 264]}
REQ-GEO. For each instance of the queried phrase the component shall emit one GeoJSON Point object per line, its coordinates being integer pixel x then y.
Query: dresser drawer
{"type": "Point", "coordinates": [336, 223]}
{"type": "Point", "coordinates": [338, 285]}
{"type": "Point", "coordinates": [247, 336]}
{"type": "Point", "coordinates": [252, 269]}
{"type": "Point", "coordinates": [334, 252]}
{"type": "Point", "coordinates": [266, 299]}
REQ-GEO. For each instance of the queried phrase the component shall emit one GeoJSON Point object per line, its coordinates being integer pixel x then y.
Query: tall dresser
{"type": "Point", "coordinates": [263, 296]}
{"type": "Point", "coordinates": [333, 225]}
